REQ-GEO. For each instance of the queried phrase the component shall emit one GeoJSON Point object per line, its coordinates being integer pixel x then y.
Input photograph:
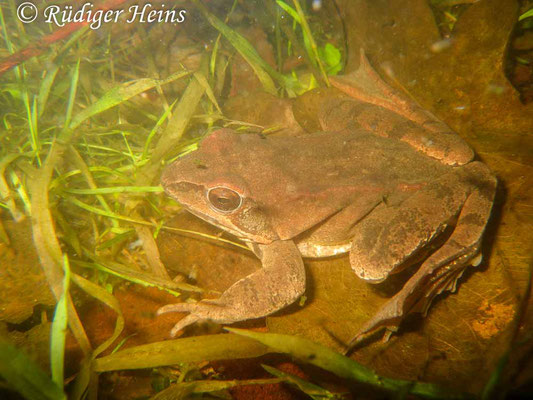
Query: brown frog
{"type": "Point", "coordinates": [382, 185]}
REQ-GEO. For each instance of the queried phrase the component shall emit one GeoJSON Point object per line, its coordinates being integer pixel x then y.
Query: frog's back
{"type": "Point", "coordinates": [346, 158]}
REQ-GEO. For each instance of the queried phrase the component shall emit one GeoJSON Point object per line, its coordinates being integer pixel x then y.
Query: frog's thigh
{"type": "Point", "coordinates": [442, 269]}
{"type": "Point", "coordinates": [443, 145]}
{"type": "Point", "coordinates": [422, 130]}
{"type": "Point", "coordinates": [388, 236]}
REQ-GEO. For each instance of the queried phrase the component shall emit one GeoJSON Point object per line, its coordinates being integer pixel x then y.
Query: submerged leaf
{"type": "Point", "coordinates": [22, 282]}
{"type": "Point", "coordinates": [344, 367]}
{"type": "Point", "coordinates": [332, 57]}
{"type": "Point", "coordinates": [314, 391]}
{"type": "Point", "coordinates": [171, 352]}
{"type": "Point", "coordinates": [25, 376]}
{"type": "Point", "coordinates": [59, 328]}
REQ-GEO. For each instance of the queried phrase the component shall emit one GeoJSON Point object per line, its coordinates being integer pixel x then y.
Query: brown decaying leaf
{"type": "Point", "coordinates": [22, 282]}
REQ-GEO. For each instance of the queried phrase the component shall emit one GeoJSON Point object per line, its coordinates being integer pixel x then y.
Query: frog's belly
{"type": "Point", "coordinates": [313, 250]}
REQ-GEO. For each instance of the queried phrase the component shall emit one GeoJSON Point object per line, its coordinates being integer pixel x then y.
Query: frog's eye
{"type": "Point", "coordinates": [223, 199]}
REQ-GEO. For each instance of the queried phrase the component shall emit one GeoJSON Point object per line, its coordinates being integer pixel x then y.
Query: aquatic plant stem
{"type": "Point", "coordinates": [309, 34]}
{"type": "Point", "coordinates": [46, 242]}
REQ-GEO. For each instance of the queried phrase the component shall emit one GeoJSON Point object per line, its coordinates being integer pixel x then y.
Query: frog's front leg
{"type": "Point", "coordinates": [390, 236]}
{"type": "Point", "coordinates": [279, 282]}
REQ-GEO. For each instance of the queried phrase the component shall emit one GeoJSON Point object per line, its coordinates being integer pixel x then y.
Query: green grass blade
{"type": "Point", "coordinates": [138, 277]}
{"type": "Point", "coordinates": [109, 214]}
{"type": "Point", "coordinates": [46, 86]}
{"type": "Point", "coordinates": [332, 57]}
{"type": "Point", "coordinates": [98, 211]}
{"type": "Point", "coordinates": [61, 179]}
{"type": "Point", "coordinates": [80, 163]}
{"type": "Point", "coordinates": [21, 191]}
{"type": "Point", "coordinates": [45, 238]}
{"type": "Point", "coordinates": [261, 68]}
{"type": "Point", "coordinates": [86, 378]}
{"type": "Point", "coordinates": [308, 35]}
{"type": "Point", "coordinates": [314, 391]}
{"type": "Point", "coordinates": [32, 122]}
{"type": "Point", "coordinates": [116, 189]}
{"type": "Point", "coordinates": [120, 94]}
{"type": "Point", "coordinates": [173, 132]}
{"type": "Point", "coordinates": [118, 238]}
{"type": "Point", "coordinates": [203, 81]}
{"type": "Point", "coordinates": [59, 329]}
{"type": "Point", "coordinates": [525, 15]}
{"type": "Point", "coordinates": [289, 10]}
{"type": "Point", "coordinates": [5, 191]}
{"type": "Point", "coordinates": [214, 238]}
{"type": "Point", "coordinates": [72, 94]}
{"type": "Point", "coordinates": [155, 129]}
{"type": "Point", "coordinates": [7, 41]}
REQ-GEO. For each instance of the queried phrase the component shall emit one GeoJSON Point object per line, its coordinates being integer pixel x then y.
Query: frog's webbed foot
{"type": "Point", "coordinates": [444, 267]}
{"type": "Point", "coordinates": [277, 284]}
{"type": "Point", "coordinates": [417, 294]}
{"type": "Point", "coordinates": [413, 124]}
{"type": "Point", "coordinates": [366, 85]}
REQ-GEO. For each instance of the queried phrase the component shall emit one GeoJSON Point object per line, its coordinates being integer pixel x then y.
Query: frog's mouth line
{"type": "Point", "coordinates": [237, 233]}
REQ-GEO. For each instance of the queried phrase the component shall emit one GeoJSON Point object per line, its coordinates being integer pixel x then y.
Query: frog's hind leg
{"type": "Point", "coordinates": [367, 86]}
{"type": "Point", "coordinates": [420, 128]}
{"type": "Point", "coordinates": [442, 269]}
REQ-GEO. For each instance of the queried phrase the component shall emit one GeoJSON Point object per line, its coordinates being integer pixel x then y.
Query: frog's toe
{"type": "Point", "coordinates": [184, 322]}
{"type": "Point", "coordinates": [178, 307]}
{"type": "Point", "coordinates": [373, 326]}
{"type": "Point", "coordinates": [202, 310]}
{"type": "Point", "coordinates": [390, 323]}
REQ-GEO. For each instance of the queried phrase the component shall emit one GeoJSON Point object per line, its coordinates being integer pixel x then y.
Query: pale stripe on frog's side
{"type": "Point", "coordinates": [314, 250]}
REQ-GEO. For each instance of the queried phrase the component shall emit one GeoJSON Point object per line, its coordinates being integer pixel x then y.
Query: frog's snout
{"type": "Point", "coordinates": [165, 176]}
{"type": "Point", "coordinates": [171, 174]}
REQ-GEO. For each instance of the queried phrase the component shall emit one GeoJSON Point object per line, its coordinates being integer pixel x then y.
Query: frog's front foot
{"type": "Point", "coordinates": [202, 310]}
{"type": "Point", "coordinates": [277, 284]}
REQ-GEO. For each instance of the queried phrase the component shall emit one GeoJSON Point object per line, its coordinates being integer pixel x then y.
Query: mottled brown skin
{"type": "Point", "coordinates": [382, 181]}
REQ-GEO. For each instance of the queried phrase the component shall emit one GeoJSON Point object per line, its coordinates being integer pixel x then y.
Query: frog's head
{"type": "Point", "coordinates": [213, 183]}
